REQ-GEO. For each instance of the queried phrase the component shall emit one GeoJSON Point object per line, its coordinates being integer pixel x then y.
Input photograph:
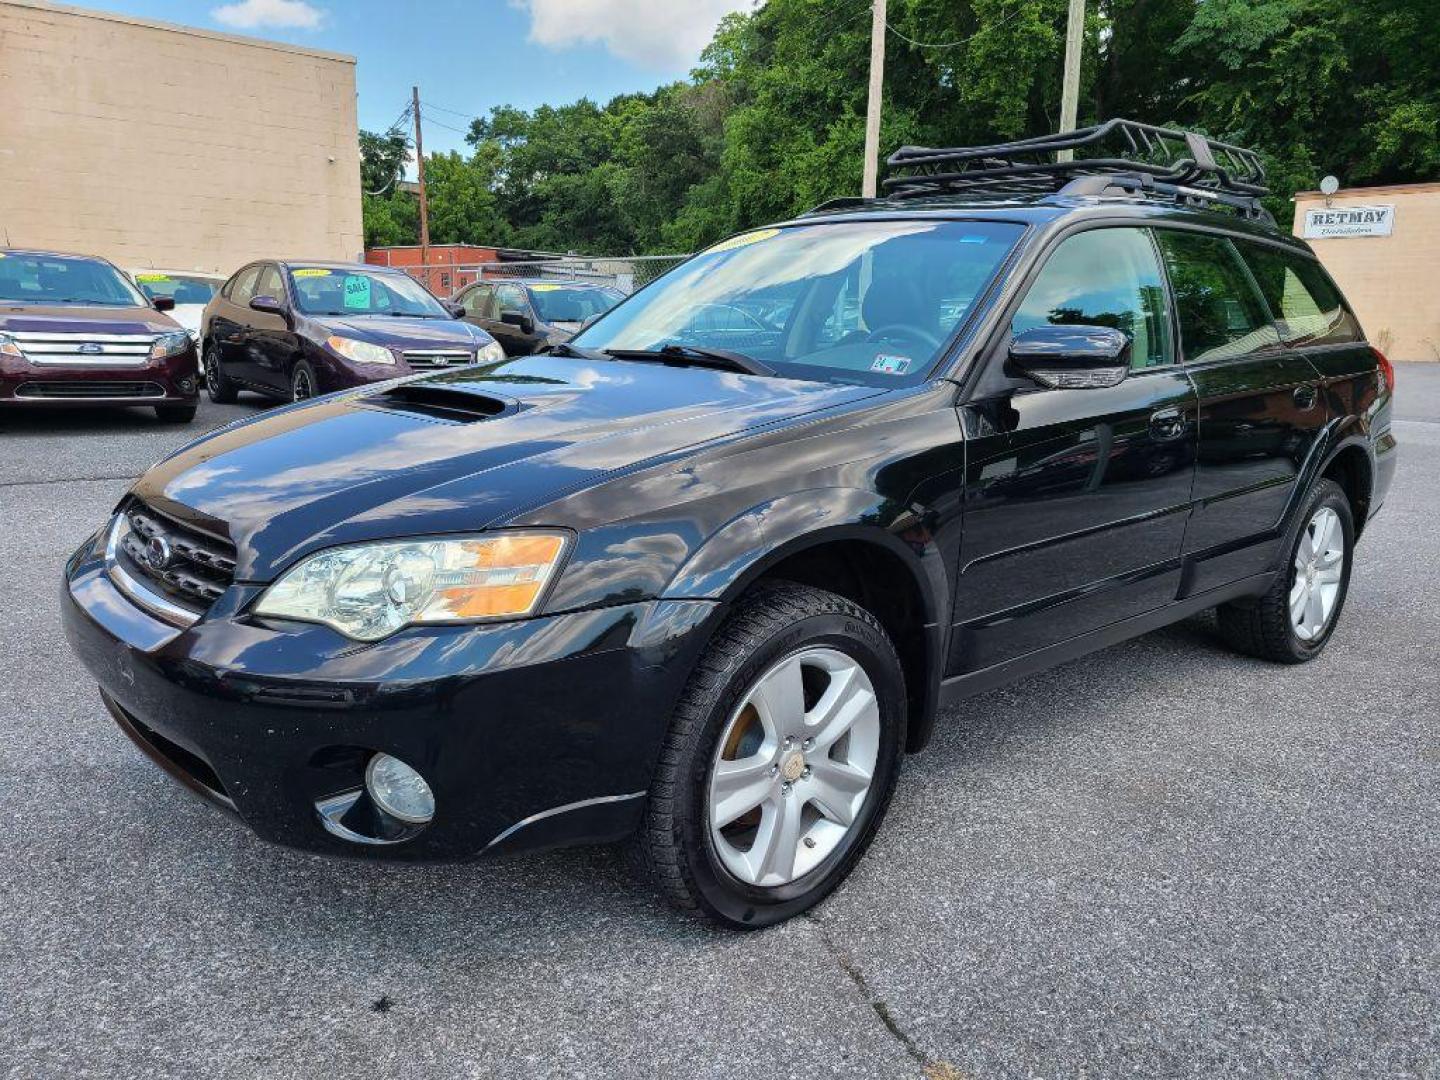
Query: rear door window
{"type": "Point", "coordinates": [1104, 277]}
{"type": "Point", "coordinates": [1307, 306]}
{"type": "Point", "coordinates": [1221, 314]}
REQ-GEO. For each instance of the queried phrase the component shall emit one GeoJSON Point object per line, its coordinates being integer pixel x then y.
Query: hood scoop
{"type": "Point", "coordinates": [453, 402]}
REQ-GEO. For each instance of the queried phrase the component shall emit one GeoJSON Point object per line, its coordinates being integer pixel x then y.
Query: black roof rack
{"type": "Point", "coordinates": [1118, 157]}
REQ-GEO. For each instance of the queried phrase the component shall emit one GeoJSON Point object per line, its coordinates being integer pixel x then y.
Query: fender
{"type": "Point", "coordinates": [1338, 436]}
{"type": "Point", "coordinates": [746, 547]}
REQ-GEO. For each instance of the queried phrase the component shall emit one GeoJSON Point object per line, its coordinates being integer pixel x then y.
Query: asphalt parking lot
{"type": "Point", "coordinates": [1162, 860]}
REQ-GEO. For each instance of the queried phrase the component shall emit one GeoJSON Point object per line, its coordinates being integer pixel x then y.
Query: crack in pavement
{"type": "Point", "coordinates": [882, 1009]}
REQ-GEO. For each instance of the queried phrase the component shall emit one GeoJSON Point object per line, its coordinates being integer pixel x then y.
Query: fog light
{"type": "Point", "coordinates": [399, 790]}
{"type": "Point", "coordinates": [187, 385]}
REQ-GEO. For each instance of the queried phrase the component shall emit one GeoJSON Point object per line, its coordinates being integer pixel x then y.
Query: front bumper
{"type": "Point", "coordinates": [531, 734]}
{"type": "Point", "coordinates": [172, 381]}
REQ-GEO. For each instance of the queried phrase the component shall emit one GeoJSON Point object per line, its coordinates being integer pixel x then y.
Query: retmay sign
{"type": "Point", "coordinates": [1337, 221]}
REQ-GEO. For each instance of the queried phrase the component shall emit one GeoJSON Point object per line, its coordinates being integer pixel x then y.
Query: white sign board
{"type": "Point", "coordinates": [1328, 223]}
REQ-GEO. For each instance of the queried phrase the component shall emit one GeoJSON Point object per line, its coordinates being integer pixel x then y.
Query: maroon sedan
{"type": "Point", "coordinates": [75, 331]}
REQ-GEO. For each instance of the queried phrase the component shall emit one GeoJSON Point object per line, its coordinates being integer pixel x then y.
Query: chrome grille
{"type": "Point", "coordinates": [187, 566]}
{"type": "Point", "coordinates": [83, 349]}
{"type": "Point", "coordinates": [438, 358]}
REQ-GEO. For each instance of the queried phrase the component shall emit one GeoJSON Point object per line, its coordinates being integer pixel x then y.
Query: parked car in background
{"type": "Point", "coordinates": [657, 584]}
{"type": "Point", "coordinates": [191, 290]}
{"type": "Point", "coordinates": [74, 330]}
{"type": "Point", "coordinates": [525, 315]}
{"type": "Point", "coordinates": [296, 329]}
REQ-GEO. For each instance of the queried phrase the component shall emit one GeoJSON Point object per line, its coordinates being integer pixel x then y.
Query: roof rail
{"type": "Point", "coordinates": [1123, 157]}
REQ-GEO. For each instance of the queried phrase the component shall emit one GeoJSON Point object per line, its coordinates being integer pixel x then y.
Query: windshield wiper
{"type": "Point", "coordinates": [564, 348]}
{"type": "Point", "coordinates": [699, 355]}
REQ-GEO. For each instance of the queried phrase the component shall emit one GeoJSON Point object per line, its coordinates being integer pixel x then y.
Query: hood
{"type": "Point", "coordinates": [402, 333]}
{"type": "Point", "coordinates": [82, 318]}
{"type": "Point", "coordinates": [453, 452]}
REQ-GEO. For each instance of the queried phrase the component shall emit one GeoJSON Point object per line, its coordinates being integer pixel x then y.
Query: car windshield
{"type": "Point", "coordinates": [854, 301]}
{"type": "Point", "coordinates": [321, 290]}
{"type": "Point", "coordinates": [556, 303]}
{"type": "Point", "coordinates": [182, 288]}
{"type": "Point", "coordinates": [63, 279]}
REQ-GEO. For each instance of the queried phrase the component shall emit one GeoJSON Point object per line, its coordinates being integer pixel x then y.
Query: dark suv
{"type": "Point", "coordinates": [703, 584]}
{"type": "Point", "coordinates": [74, 330]}
{"type": "Point", "coordinates": [296, 329]}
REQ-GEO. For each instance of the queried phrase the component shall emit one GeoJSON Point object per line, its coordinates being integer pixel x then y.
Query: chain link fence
{"type": "Point", "coordinates": [626, 273]}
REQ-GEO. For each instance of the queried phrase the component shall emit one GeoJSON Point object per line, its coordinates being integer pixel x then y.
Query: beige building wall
{"type": "Point", "coordinates": [161, 145]}
{"type": "Point", "coordinates": [1393, 282]}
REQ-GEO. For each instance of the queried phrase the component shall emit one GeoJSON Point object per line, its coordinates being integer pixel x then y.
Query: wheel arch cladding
{"type": "Point", "coordinates": [1351, 468]}
{"type": "Point", "coordinates": [832, 540]}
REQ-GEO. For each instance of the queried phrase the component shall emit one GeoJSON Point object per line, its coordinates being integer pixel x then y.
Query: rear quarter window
{"type": "Point", "coordinates": [1307, 306]}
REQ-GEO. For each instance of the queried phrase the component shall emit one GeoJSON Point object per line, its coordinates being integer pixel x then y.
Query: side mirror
{"type": "Point", "coordinates": [515, 318]}
{"type": "Point", "coordinates": [457, 310]}
{"type": "Point", "coordinates": [1071, 357]}
{"type": "Point", "coordinates": [589, 321]}
{"type": "Point", "coordinates": [268, 305]}
{"type": "Point", "coordinates": [164, 303]}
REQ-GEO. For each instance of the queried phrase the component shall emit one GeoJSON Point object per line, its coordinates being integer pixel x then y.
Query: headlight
{"type": "Point", "coordinates": [9, 348]}
{"type": "Point", "coordinates": [171, 344]}
{"type": "Point", "coordinates": [371, 590]}
{"type": "Point", "coordinates": [362, 352]}
{"type": "Point", "coordinates": [488, 353]}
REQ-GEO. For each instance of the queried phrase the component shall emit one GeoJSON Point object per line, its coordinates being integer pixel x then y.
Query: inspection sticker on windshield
{"type": "Point", "coordinates": [357, 291]}
{"type": "Point", "coordinates": [890, 365]}
{"type": "Point", "coordinates": [743, 240]}
{"type": "Point", "coordinates": [313, 271]}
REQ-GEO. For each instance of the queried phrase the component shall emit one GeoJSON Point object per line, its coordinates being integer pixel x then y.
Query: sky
{"type": "Point", "coordinates": [468, 56]}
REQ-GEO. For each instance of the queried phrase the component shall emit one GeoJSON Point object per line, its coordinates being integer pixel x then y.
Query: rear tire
{"type": "Point", "coordinates": [832, 662]}
{"type": "Point", "coordinates": [221, 390]}
{"type": "Point", "coordinates": [1292, 623]}
{"type": "Point", "coordinates": [176, 414]}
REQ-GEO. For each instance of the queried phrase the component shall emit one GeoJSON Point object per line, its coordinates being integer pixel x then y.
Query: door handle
{"type": "Point", "coordinates": [1306, 396]}
{"type": "Point", "coordinates": [1167, 424]}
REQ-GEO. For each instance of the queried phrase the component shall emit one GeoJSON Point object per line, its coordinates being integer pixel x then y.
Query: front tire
{"type": "Point", "coordinates": [303, 384]}
{"type": "Point", "coordinates": [781, 758]}
{"type": "Point", "coordinates": [1292, 623]}
{"type": "Point", "coordinates": [176, 414]}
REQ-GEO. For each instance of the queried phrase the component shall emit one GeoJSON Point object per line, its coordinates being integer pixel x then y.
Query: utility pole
{"type": "Point", "coordinates": [1070, 88]}
{"type": "Point", "coordinates": [872, 109]}
{"type": "Point", "coordinates": [420, 175]}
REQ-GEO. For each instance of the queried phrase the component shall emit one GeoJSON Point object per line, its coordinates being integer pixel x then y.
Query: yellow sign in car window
{"type": "Point", "coordinates": [743, 240]}
{"type": "Point", "coordinates": [152, 277]}
{"type": "Point", "coordinates": [545, 288]}
{"type": "Point", "coordinates": [310, 271]}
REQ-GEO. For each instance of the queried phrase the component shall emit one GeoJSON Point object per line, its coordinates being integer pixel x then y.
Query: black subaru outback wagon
{"type": "Point", "coordinates": [703, 583]}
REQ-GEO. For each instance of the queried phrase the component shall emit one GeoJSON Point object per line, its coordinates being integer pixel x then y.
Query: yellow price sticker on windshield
{"type": "Point", "coordinates": [313, 271]}
{"type": "Point", "coordinates": [743, 240]}
{"type": "Point", "coordinates": [545, 288]}
{"type": "Point", "coordinates": [152, 277]}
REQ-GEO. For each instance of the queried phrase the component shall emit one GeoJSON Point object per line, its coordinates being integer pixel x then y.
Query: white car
{"type": "Point", "coordinates": [190, 289]}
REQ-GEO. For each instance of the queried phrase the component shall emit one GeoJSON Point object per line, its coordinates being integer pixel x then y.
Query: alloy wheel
{"type": "Point", "coordinates": [793, 766]}
{"type": "Point", "coordinates": [1319, 568]}
{"type": "Point", "coordinates": [212, 375]}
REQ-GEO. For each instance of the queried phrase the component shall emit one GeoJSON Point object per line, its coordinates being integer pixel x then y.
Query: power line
{"type": "Point", "coordinates": [952, 44]}
{"type": "Point", "coordinates": [452, 112]}
{"type": "Point", "coordinates": [448, 127]}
